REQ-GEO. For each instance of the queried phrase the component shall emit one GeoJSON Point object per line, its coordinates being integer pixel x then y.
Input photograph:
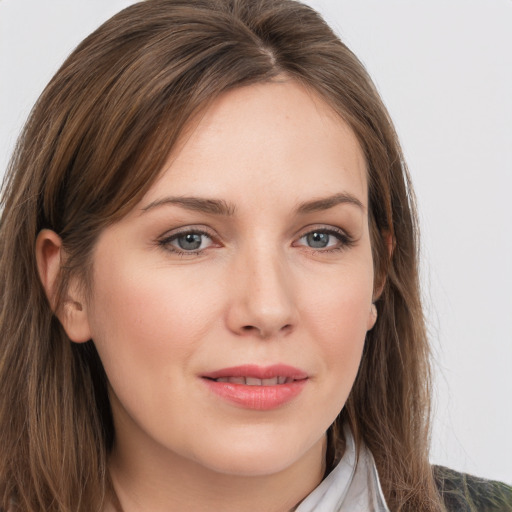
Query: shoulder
{"type": "Point", "coordinates": [466, 493]}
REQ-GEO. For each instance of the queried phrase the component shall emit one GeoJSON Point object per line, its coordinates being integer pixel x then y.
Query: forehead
{"type": "Point", "coordinates": [269, 139]}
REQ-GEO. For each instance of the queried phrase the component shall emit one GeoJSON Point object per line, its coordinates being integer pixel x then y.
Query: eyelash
{"type": "Point", "coordinates": [345, 241]}
{"type": "Point", "coordinates": [166, 242]}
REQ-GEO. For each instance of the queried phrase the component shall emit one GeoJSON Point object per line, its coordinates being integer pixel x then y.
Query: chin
{"type": "Point", "coordinates": [249, 466]}
{"type": "Point", "coordinates": [254, 457]}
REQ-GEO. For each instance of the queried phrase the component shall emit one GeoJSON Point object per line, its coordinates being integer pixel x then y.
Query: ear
{"type": "Point", "coordinates": [72, 312]}
{"type": "Point", "coordinates": [379, 288]}
{"type": "Point", "coordinates": [372, 317]}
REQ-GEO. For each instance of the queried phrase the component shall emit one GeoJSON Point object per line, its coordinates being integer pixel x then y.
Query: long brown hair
{"type": "Point", "coordinates": [93, 145]}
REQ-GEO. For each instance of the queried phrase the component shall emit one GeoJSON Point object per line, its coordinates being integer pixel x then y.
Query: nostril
{"type": "Point", "coordinates": [251, 328]}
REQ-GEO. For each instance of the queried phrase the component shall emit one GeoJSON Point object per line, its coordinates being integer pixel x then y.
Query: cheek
{"type": "Point", "coordinates": [336, 317]}
{"type": "Point", "coordinates": [145, 319]}
{"type": "Point", "coordinates": [339, 302]}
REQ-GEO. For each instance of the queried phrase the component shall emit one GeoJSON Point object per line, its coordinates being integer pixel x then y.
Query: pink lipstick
{"type": "Point", "coordinates": [257, 387]}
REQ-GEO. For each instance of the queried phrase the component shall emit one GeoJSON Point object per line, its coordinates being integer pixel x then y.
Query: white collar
{"type": "Point", "coordinates": [352, 486]}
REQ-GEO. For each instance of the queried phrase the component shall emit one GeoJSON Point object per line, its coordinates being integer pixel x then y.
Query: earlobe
{"type": "Point", "coordinates": [71, 311]}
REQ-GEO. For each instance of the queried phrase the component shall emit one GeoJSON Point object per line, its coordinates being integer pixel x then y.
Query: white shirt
{"type": "Point", "coordinates": [352, 486]}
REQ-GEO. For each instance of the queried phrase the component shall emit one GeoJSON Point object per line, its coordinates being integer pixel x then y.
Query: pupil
{"type": "Point", "coordinates": [318, 240]}
{"type": "Point", "coordinates": [190, 242]}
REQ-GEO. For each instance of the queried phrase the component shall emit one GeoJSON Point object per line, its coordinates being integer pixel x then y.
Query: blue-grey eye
{"type": "Point", "coordinates": [328, 239]}
{"type": "Point", "coordinates": [187, 242]}
{"type": "Point", "coordinates": [190, 241]}
{"type": "Point", "coordinates": [317, 239]}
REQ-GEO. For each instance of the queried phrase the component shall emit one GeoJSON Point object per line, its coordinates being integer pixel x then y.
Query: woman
{"type": "Point", "coordinates": [211, 297]}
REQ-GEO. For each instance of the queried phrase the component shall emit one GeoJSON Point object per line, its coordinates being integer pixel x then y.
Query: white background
{"type": "Point", "coordinates": [444, 69]}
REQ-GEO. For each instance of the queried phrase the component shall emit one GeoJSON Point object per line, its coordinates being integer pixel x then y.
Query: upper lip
{"type": "Point", "coordinates": [258, 372]}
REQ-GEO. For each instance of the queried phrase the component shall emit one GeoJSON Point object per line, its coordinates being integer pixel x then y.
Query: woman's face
{"type": "Point", "coordinates": [230, 307]}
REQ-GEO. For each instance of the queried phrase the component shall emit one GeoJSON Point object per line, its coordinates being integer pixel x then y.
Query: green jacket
{"type": "Point", "coordinates": [467, 493]}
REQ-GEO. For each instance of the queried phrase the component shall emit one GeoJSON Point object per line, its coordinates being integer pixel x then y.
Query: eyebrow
{"type": "Point", "coordinates": [198, 204]}
{"type": "Point", "coordinates": [326, 203]}
{"type": "Point", "coordinates": [222, 207]}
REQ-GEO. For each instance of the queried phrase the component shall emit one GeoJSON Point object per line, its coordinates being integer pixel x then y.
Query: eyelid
{"type": "Point", "coordinates": [193, 228]}
{"type": "Point", "coordinates": [326, 228]}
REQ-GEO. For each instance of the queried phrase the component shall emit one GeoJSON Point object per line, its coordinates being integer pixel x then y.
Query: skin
{"type": "Point", "coordinates": [256, 292]}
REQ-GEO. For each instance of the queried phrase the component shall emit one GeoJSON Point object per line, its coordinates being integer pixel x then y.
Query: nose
{"type": "Point", "coordinates": [263, 300]}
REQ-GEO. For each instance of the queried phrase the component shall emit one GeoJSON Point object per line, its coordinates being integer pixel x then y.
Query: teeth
{"type": "Point", "coordinates": [253, 381]}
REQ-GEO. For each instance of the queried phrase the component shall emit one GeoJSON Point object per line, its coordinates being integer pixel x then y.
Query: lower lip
{"type": "Point", "coordinates": [261, 398]}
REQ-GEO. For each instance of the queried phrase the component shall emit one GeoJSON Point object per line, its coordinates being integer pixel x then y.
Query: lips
{"type": "Point", "coordinates": [250, 371]}
{"type": "Point", "coordinates": [253, 381]}
{"type": "Point", "coordinates": [257, 387]}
